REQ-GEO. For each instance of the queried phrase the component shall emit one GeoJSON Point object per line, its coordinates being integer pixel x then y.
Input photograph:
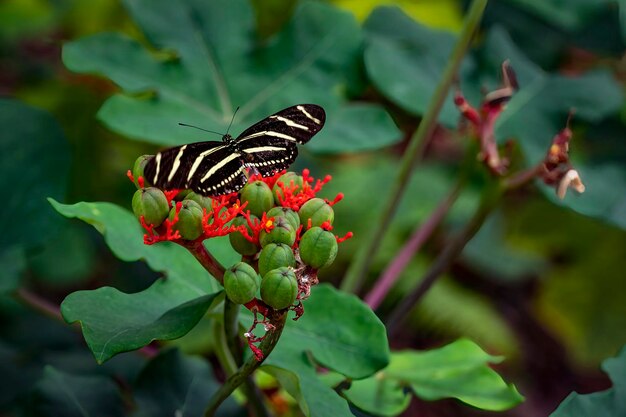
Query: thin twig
{"type": "Point", "coordinates": [357, 272]}
{"type": "Point", "coordinates": [401, 312]}
{"type": "Point", "coordinates": [421, 234]}
{"type": "Point", "coordinates": [39, 304]}
{"type": "Point", "coordinates": [239, 377]}
{"type": "Point", "coordinates": [231, 334]}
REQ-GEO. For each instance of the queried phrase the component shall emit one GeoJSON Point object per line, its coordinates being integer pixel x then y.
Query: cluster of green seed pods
{"type": "Point", "coordinates": [288, 246]}
{"type": "Point", "coordinates": [294, 244]}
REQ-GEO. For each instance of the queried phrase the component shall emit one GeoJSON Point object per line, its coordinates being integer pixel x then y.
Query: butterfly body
{"type": "Point", "coordinates": [214, 168]}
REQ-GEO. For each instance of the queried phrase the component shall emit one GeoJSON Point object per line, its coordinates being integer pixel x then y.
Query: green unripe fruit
{"type": "Point", "coordinates": [239, 242]}
{"type": "Point", "coordinates": [318, 210]}
{"type": "Point", "coordinates": [241, 283]}
{"type": "Point", "coordinates": [291, 216]}
{"type": "Point", "coordinates": [259, 197]}
{"type": "Point", "coordinates": [318, 248]}
{"type": "Point", "coordinates": [286, 179]}
{"type": "Point", "coordinates": [152, 204]}
{"type": "Point", "coordinates": [282, 232]}
{"type": "Point", "coordinates": [275, 255]}
{"type": "Point", "coordinates": [204, 202]}
{"type": "Point", "coordinates": [279, 288]}
{"type": "Point", "coordinates": [138, 167]}
{"type": "Point", "coordinates": [189, 223]}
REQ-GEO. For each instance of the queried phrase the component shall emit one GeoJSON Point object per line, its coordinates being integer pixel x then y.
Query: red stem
{"type": "Point", "coordinates": [421, 234]}
{"type": "Point", "coordinates": [205, 258]}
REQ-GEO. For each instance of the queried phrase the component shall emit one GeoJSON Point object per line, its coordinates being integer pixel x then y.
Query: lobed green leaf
{"type": "Point", "coordinates": [207, 66]}
{"type": "Point", "coordinates": [113, 321]}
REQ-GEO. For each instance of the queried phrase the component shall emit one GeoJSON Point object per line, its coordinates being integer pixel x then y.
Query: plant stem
{"type": "Point", "coordinates": [357, 272]}
{"type": "Point", "coordinates": [421, 234]}
{"type": "Point", "coordinates": [205, 258]}
{"type": "Point", "coordinates": [489, 201]}
{"type": "Point", "coordinates": [39, 304]}
{"type": "Point", "coordinates": [239, 377]}
{"type": "Point", "coordinates": [522, 178]}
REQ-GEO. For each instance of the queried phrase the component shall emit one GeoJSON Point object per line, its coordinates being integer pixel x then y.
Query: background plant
{"type": "Point", "coordinates": [539, 282]}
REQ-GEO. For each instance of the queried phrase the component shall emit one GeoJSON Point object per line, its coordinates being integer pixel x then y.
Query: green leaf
{"type": "Point", "coordinates": [168, 309]}
{"type": "Point", "coordinates": [124, 236]}
{"type": "Point", "coordinates": [574, 16]}
{"type": "Point", "coordinates": [405, 61]}
{"type": "Point", "coordinates": [34, 164]}
{"type": "Point", "coordinates": [65, 395]}
{"type": "Point", "coordinates": [207, 66]}
{"type": "Point", "coordinates": [314, 397]}
{"type": "Point", "coordinates": [114, 322]}
{"type": "Point", "coordinates": [609, 403]}
{"type": "Point", "coordinates": [355, 346]}
{"type": "Point", "coordinates": [379, 396]}
{"type": "Point", "coordinates": [459, 370]}
{"type": "Point", "coordinates": [173, 384]}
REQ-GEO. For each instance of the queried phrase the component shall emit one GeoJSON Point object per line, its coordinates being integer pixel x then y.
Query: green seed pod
{"type": "Point", "coordinates": [286, 179]}
{"type": "Point", "coordinates": [279, 288]}
{"type": "Point", "coordinates": [291, 216]}
{"type": "Point", "coordinates": [189, 223]}
{"type": "Point", "coordinates": [318, 210]}
{"type": "Point", "coordinates": [241, 283]}
{"type": "Point", "coordinates": [275, 255]}
{"type": "Point", "coordinates": [205, 202]}
{"type": "Point", "coordinates": [259, 197]}
{"type": "Point", "coordinates": [318, 248]}
{"type": "Point", "coordinates": [239, 242]}
{"type": "Point", "coordinates": [282, 232]}
{"type": "Point", "coordinates": [138, 167]}
{"type": "Point", "coordinates": [150, 203]}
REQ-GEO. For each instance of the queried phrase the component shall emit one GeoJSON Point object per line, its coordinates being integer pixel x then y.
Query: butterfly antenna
{"type": "Point", "coordinates": [231, 120]}
{"type": "Point", "coordinates": [199, 128]}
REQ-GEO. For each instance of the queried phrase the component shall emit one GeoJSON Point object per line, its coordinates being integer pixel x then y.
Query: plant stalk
{"type": "Point", "coordinates": [212, 265]}
{"type": "Point", "coordinates": [239, 377]}
{"type": "Point", "coordinates": [356, 274]}
{"type": "Point", "coordinates": [489, 202]}
{"type": "Point", "coordinates": [421, 234]}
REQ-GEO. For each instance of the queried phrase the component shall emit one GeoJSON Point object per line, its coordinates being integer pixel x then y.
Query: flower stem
{"type": "Point", "coordinates": [489, 202]}
{"type": "Point", "coordinates": [357, 272]}
{"type": "Point", "coordinates": [421, 234]}
{"type": "Point", "coordinates": [239, 377]}
{"type": "Point", "coordinates": [39, 304]}
{"type": "Point", "coordinates": [196, 247]}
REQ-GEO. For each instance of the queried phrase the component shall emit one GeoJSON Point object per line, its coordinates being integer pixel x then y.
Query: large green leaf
{"type": "Point", "coordinates": [609, 403]}
{"type": "Point", "coordinates": [59, 394]}
{"type": "Point", "coordinates": [459, 370]}
{"type": "Point", "coordinates": [405, 60]}
{"type": "Point", "coordinates": [34, 164]}
{"type": "Point", "coordinates": [172, 384]}
{"type": "Point", "coordinates": [574, 16]}
{"type": "Point", "coordinates": [211, 62]}
{"type": "Point", "coordinates": [113, 321]}
{"type": "Point", "coordinates": [356, 345]}
{"type": "Point", "coordinates": [315, 398]}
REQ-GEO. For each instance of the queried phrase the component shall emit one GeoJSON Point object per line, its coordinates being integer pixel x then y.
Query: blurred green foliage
{"type": "Point", "coordinates": [367, 77]}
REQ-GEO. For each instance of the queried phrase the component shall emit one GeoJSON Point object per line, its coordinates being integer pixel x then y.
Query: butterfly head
{"type": "Point", "coordinates": [227, 139]}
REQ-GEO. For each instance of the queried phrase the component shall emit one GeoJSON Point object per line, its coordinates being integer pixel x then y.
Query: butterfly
{"type": "Point", "coordinates": [215, 168]}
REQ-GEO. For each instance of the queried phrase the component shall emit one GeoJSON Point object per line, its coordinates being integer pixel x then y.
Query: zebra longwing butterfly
{"type": "Point", "coordinates": [215, 168]}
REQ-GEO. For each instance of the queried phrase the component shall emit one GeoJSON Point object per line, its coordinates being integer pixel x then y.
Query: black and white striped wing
{"type": "Point", "coordinates": [269, 146]}
{"type": "Point", "coordinates": [207, 168]}
{"type": "Point", "coordinates": [295, 124]}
